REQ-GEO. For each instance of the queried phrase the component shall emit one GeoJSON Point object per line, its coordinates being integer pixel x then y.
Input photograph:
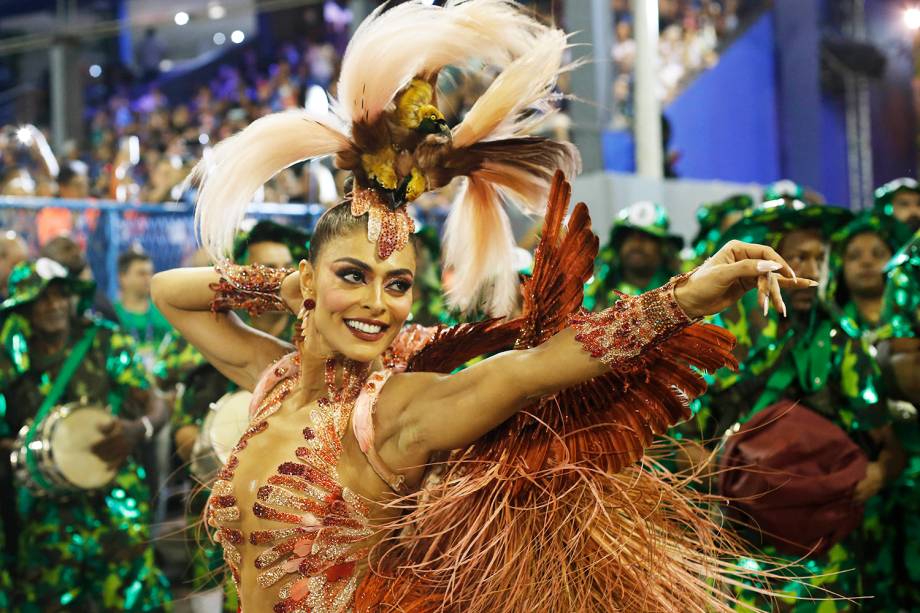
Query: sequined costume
{"type": "Point", "coordinates": [901, 305]}
{"type": "Point", "coordinates": [95, 548]}
{"type": "Point", "coordinates": [607, 283]}
{"type": "Point", "coordinates": [625, 534]}
{"type": "Point", "coordinates": [817, 361]}
{"type": "Point", "coordinates": [297, 538]}
{"type": "Point", "coordinates": [901, 319]}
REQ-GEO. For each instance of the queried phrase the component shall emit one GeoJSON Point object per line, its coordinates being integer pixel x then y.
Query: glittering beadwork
{"type": "Point", "coordinates": [316, 557]}
{"type": "Point", "coordinates": [255, 288]}
{"type": "Point", "coordinates": [620, 333]}
{"type": "Point", "coordinates": [387, 227]}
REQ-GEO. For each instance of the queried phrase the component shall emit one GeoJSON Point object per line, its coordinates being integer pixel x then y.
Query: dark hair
{"type": "Point", "coordinates": [338, 221]}
{"type": "Point", "coordinates": [129, 257]}
{"type": "Point", "coordinates": [66, 252]}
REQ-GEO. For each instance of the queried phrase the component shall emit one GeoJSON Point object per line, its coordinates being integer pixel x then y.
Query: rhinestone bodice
{"type": "Point", "coordinates": [294, 539]}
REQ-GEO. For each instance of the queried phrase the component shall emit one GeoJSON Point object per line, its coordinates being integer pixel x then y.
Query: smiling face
{"type": "Point", "coordinates": [361, 300]}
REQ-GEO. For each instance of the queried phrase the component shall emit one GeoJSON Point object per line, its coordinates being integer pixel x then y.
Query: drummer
{"type": "Point", "coordinates": [87, 551]}
{"type": "Point", "coordinates": [811, 357]}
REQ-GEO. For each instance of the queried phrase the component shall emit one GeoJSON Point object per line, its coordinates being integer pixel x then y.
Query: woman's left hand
{"type": "Point", "coordinates": [734, 270]}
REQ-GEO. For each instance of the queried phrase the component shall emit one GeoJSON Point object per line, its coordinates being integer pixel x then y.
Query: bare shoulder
{"type": "Point", "coordinates": [392, 415]}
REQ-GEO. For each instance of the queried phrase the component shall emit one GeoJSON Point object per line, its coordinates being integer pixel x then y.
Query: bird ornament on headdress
{"type": "Point", "coordinates": [387, 130]}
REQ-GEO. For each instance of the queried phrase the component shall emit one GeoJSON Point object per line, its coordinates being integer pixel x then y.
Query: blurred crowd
{"type": "Point", "coordinates": [691, 33]}
{"type": "Point", "coordinates": [141, 148]}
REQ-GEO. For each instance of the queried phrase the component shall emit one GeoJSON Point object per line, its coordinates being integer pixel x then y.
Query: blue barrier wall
{"type": "Point", "coordinates": [725, 123]}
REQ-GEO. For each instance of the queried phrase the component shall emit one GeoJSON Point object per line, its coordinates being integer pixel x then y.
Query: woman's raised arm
{"type": "Point", "coordinates": [441, 412]}
{"type": "Point", "coordinates": [186, 297]}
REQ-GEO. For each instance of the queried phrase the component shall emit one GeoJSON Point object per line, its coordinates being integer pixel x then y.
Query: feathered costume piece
{"type": "Point", "coordinates": [388, 131]}
{"type": "Point", "coordinates": [559, 509]}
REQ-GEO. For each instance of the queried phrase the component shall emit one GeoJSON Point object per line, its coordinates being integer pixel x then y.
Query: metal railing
{"type": "Point", "coordinates": [106, 228]}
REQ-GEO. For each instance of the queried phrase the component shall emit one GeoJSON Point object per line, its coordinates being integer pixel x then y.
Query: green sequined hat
{"type": "Point", "coordinates": [885, 194]}
{"type": "Point", "coordinates": [870, 221]}
{"type": "Point", "coordinates": [767, 223]}
{"type": "Point", "coordinates": [265, 230]}
{"type": "Point", "coordinates": [645, 216]}
{"type": "Point", "coordinates": [710, 216]}
{"type": "Point", "coordinates": [29, 279]}
{"type": "Point", "coordinates": [784, 188]}
{"type": "Point", "coordinates": [883, 225]}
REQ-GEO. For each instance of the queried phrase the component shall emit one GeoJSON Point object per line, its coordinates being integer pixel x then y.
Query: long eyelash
{"type": "Point", "coordinates": [345, 272]}
{"type": "Point", "coordinates": [407, 285]}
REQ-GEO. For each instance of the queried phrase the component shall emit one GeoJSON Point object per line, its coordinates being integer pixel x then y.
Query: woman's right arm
{"type": "Point", "coordinates": [239, 352]}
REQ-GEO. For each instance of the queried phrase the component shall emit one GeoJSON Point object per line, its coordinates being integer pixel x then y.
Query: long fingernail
{"type": "Point", "coordinates": [767, 266]}
{"type": "Point", "coordinates": [812, 283]}
{"type": "Point", "coordinates": [783, 304]}
{"type": "Point", "coordinates": [766, 306]}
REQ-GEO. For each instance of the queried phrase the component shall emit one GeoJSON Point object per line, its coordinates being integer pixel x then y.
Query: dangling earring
{"type": "Point", "coordinates": [308, 305]}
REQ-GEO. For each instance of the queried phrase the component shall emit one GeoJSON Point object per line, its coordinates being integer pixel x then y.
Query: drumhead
{"type": "Point", "coordinates": [71, 439]}
{"type": "Point", "coordinates": [229, 420]}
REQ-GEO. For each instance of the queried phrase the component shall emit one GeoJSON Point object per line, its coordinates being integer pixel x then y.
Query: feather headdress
{"type": "Point", "coordinates": [389, 133]}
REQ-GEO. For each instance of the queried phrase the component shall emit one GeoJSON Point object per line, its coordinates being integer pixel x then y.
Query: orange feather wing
{"type": "Point", "coordinates": [551, 511]}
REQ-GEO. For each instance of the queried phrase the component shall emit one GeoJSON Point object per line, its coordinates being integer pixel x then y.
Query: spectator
{"type": "Point", "coordinates": [13, 250]}
{"type": "Point", "coordinates": [137, 315]}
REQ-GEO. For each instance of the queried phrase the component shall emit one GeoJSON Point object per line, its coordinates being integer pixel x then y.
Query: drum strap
{"type": "Point", "coordinates": [60, 384]}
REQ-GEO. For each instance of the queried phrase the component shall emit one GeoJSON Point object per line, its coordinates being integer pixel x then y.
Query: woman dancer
{"type": "Point", "coordinates": [533, 509]}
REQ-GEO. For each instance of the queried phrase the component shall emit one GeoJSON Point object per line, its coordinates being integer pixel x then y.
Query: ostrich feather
{"type": "Point", "coordinates": [394, 45]}
{"type": "Point", "coordinates": [238, 166]}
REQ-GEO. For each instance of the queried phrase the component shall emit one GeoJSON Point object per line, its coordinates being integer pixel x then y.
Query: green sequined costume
{"type": "Point", "coordinates": [818, 363]}
{"type": "Point", "coordinates": [607, 283]}
{"type": "Point", "coordinates": [901, 305]}
{"type": "Point", "coordinates": [92, 550]}
{"type": "Point", "coordinates": [148, 330]}
{"type": "Point", "coordinates": [821, 360]}
{"type": "Point", "coordinates": [901, 319]}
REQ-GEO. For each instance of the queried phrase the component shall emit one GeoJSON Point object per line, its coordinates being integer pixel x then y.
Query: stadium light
{"type": "Point", "coordinates": [912, 18]}
{"type": "Point", "coordinates": [181, 18]}
{"type": "Point", "coordinates": [316, 100]}
{"type": "Point", "coordinates": [237, 36]}
{"type": "Point", "coordinates": [95, 71]}
{"type": "Point", "coordinates": [219, 38]}
{"type": "Point", "coordinates": [216, 10]}
{"type": "Point", "coordinates": [24, 135]}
